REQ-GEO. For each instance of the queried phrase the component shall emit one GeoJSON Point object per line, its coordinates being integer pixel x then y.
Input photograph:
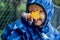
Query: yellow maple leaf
{"type": "Point", "coordinates": [35, 15]}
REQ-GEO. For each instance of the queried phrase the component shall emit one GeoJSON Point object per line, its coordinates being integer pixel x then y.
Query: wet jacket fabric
{"type": "Point", "coordinates": [23, 30]}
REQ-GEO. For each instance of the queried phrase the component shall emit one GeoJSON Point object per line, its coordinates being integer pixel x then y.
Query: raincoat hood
{"type": "Point", "coordinates": [47, 5]}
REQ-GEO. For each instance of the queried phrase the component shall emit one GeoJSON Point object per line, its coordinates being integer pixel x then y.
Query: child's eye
{"type": "Point", "coordinates": [41, 11]}
{"type": "Point", "coordinates": [29, 11]}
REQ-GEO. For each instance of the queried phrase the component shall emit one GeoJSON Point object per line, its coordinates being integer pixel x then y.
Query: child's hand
{"type": "Point", "coordinates": [28, 17]}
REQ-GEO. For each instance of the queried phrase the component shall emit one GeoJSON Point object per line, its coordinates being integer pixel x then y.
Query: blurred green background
{"type": "Point", "coordinates": [11, 10]}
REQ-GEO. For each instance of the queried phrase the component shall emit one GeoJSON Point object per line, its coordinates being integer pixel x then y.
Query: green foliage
{"type": "Point", "coordinates": [10, 7]}
{"type": "Point", "coordinates": [2, 6]}
{"type": "Point", "coordinates": [0, 34]}
{"type": "Point", "coordinates": [7, 11]}
{"type": "Point", "coordinates": [56, 2]}
{"type": "Point", "coordinates": [21, 7]}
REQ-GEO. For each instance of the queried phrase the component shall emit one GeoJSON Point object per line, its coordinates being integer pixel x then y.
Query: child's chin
{"type": "Point", "coordinates": [37, 24]}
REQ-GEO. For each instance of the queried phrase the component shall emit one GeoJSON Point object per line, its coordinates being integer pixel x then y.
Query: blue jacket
{"type": "Point", "coordinates": [23, 30]}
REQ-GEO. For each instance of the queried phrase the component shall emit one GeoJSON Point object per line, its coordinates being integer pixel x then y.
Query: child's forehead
{"type": "Point", "coordinates": [34, 7]}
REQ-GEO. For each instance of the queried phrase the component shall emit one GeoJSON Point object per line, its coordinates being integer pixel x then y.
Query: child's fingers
{"type": "Point", "coordinates": [25, 15]}
{"type": "Point", "coordinates": [28, 17]}
{"type": "Point", "coordinates": [31, 19]}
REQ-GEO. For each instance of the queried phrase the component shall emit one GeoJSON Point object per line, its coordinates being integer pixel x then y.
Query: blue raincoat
{"type": "Point", "coordinates": [23, 30]}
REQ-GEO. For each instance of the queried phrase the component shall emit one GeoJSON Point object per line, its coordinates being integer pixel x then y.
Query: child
{"type": "Point", "coordinates": [34, 24]}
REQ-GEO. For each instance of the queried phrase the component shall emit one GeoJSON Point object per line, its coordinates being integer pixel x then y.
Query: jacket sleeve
{"type": "Point", "coordinates": [57, 34]}
{"type": "Point", "coordinates": [10, 32]}
{"type": "Point", "coordinates": [6, 31]}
